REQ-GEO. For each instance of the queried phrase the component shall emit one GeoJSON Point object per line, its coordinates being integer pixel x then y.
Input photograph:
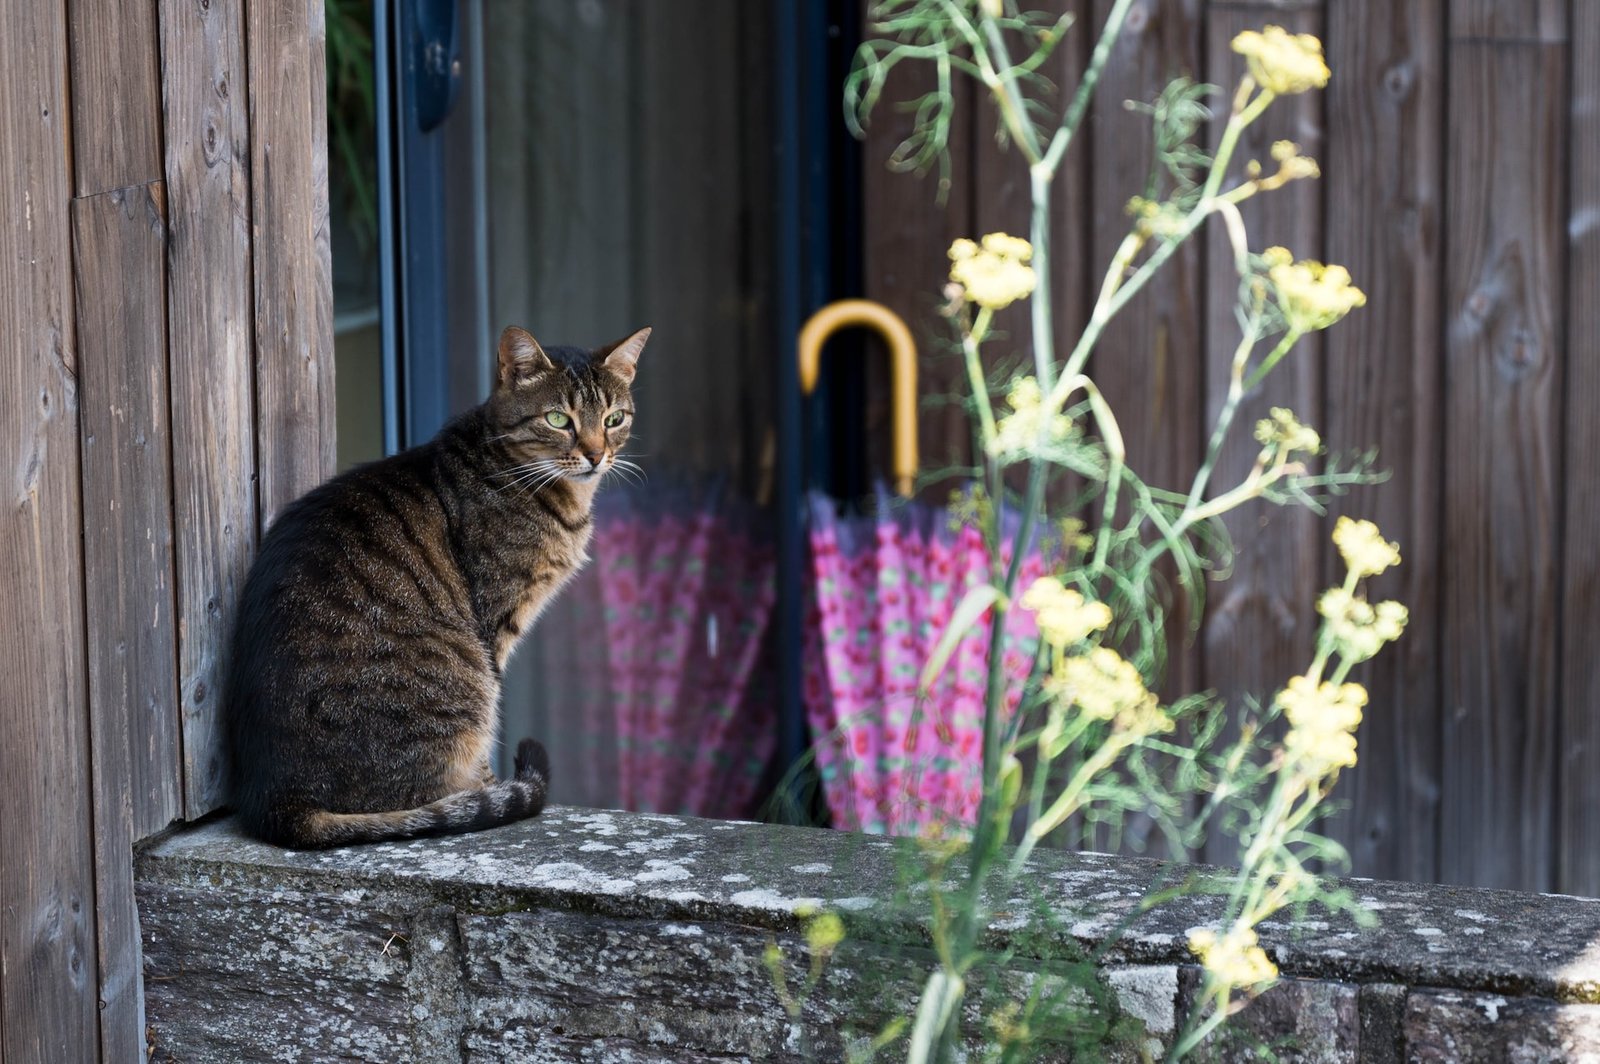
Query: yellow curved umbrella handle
{"type": "Point", "coordinates": [821, 326]}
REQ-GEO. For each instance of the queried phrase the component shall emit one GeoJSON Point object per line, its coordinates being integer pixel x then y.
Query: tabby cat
{"type": "Point", "coordinates": [363, 696]}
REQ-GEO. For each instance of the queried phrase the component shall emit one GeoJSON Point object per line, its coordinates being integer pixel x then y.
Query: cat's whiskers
{"type": "Point", "coordinates": [523, 467]}
{"type": "Point", "coordinates": [538, 471]}
{"type": "Point", "coordinates": [631, 470]}
{"type": "Point", "coordinates": [538, 484]}
{"type": "Point", "coordinates": [518, 475]}
{"type": "Point", "coordinates": [535, 485]}
{"type": "Point", "coordinates": [627, 472]}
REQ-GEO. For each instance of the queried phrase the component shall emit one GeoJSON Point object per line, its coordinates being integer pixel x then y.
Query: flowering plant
{"type": "Point", "coordinates": [1091, 742]}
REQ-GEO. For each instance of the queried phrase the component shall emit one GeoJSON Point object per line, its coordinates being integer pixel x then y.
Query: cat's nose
{"type": "Point", "coordinates": [595, 458]}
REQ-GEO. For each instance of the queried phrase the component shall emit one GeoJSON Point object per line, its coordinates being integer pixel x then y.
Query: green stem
{"type": "Point", "coordinates": [1113, 297]}
{"type": "Point", "coordinates": [1008, 95]}
{"type": "Point", "coordinates": [994, 701]}
{"type": "Point", "coordinates": [1236, 390]}
{"type": "Point", "coordinates": [1044, 341]}
{"type": "Point", "coordinates": [1238, 121]}
{"type": "Point", "coordinates": [1085, 94]}
{"type": "Point", "coordinates": [1117, 456]}
{"type": "Point", "coordinates": [1290, 338]}
{"type": "Point", "coordinates": [1069, 800]}
{"type": "Point", "coordinates": [1194, 1034]}
{"type": "Point", "coordinates": [975, 378]}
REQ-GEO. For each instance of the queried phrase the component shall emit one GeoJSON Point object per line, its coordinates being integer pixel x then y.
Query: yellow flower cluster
{"type": "Point", "coordinates": [1019, 431]}
{"type": "Point", "coordinates": [996, 274]}
{"type": "Point", "coordinates": [1063, 615]}
{"type": "Point", "coordinates": [1284, 431]}
{"type": "Point", "coordinates": [1358, 629]}
{"type": "Point", "coordinates": [1073, 534]}
{"type": "Point", "coordinates": [1311, 295]}
{"type": "Point", "coordinates": [1322, 722]}
{"type": "Point", "coordinates": [1156, 218]}
{"type": "Point", "coordinates": [1363, 547]}
{"type": "Point", "coordinates": [1281, 62]}
{"type": "Point", "coordinates": [1291, 164]}
{"type": "Point", "coordinates": [1107, 687]}
{"type": "Point", "coordinates": [1233, 958]}
{"type": "Point", "coordinates": [970, 506]}
{"type": "Point", "coordinates": [1010, 1026]}
{"type": "Point", "coordinates": [823, 933]}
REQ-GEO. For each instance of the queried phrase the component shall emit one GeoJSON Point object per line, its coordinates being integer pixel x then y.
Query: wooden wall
{"type": "Point", "coordinates": [1460, 148]}
{"type": "Point", "coordinates": [166, 355]}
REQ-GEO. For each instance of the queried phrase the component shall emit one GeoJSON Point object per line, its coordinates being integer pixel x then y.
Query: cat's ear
{"type": "Point", "coordinates": [622, 357]}
{"type": "Point", "coordinates": [521, 357]}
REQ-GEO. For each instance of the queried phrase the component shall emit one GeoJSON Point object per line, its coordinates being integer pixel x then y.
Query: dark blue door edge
{"type": "Point", "coordinates": [417, 70]}
{"type": "Point", "coordinates": [820, 440]}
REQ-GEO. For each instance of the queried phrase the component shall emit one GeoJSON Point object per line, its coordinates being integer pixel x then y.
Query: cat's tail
{"type": "Point", "coordinates": [509, 800]}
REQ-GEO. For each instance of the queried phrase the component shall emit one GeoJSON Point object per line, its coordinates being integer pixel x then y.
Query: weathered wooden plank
{"type": "Point", "coordinates": [209, 315]}
{"type": "Point", "coordinates": [1150, 357]}
{"type": "Point", "coordinates": [1268, 7]}
{"type": "Point", "coordinates": [293, 338]}
{"type": "Point", "coordinates": [119, 246]}
{"type": "Point", "coordinates": [47, 945]}
{"type": "Point", "coordinates": [322, 234]}
{"type": "Point", "coordinates": [906, 235]}
{"type": "Point", "coordinates": [1501, 415]}
{"type": "Point", "coordinates": [116, 94]}
{"type": "Point", "coordinates": [1527, 20]}
{"type": "Point", "coordinates": [1578, 802]}
{"type": "Point", "coordinates": [1384, 182]}
{"type": "Point", "coordinates": [1149, 363]}
{"type": "Point", "coordinates": [1260, 627]}
{"type": "Point", "coordinates": [1001, 195]}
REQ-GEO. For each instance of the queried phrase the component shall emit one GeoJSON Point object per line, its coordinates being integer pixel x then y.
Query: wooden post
{"type": "Point", "coordinates": [293, 315]}
{"type": "Point", "coordinates": [1578, 799]}
{"type": "Point", "coordinates": [47, 893]}
{"type": "Point", "coordinates": [1385, 185]}
{"type": "Point", "coordinates": [204, 94]}
{"type": "Point", "coordinates": [119, 244]}
{"type": "Point", "coordinates": [1502, 403]}
{"type": "Point", "coordinates": [1260, 627]}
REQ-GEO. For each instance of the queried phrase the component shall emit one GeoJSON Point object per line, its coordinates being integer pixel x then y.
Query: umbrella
{"type": "Point", "coordinates": [653, 679]}
{"type": "Point", "coordinates": [893, 759]}
{"type": "Point", "coordinates": [686, 578]}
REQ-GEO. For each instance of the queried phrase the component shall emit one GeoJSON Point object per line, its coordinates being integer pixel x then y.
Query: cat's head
{"type": "Point", "coordinates": [564, 412]}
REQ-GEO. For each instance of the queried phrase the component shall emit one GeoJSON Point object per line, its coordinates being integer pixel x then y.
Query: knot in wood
{"type": "Point", "coordinates": [1399, 79]}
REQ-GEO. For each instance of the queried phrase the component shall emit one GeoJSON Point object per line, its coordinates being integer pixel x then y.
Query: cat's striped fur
{"type": "Point", "coordinates": [363, 695]}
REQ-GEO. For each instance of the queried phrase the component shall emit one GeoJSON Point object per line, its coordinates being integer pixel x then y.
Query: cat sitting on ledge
{"type": "Point", "coordinates": [363, 695]}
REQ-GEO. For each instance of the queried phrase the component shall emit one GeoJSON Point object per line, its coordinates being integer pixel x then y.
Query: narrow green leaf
{"type": "Point", "coordinates": [966, 614]}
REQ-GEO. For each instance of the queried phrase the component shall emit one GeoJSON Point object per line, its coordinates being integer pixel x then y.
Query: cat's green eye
{"type": "Point", "coordinates": [614, 419]}
{"type": "Point", "coordinates": [558, 420]}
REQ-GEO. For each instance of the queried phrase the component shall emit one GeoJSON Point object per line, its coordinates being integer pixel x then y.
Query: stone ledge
{"type": "Point", "coordinates": [607, 935]}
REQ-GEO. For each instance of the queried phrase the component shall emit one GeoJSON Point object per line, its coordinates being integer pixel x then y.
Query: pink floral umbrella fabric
{"type": "Point", "coordinates": [687, 589]}
{"type": "Point", "coordinates": [882, 593]}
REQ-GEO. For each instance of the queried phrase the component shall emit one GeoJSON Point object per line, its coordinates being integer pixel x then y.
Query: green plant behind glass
{"type": "Point", "coordinates": [352, 115]}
